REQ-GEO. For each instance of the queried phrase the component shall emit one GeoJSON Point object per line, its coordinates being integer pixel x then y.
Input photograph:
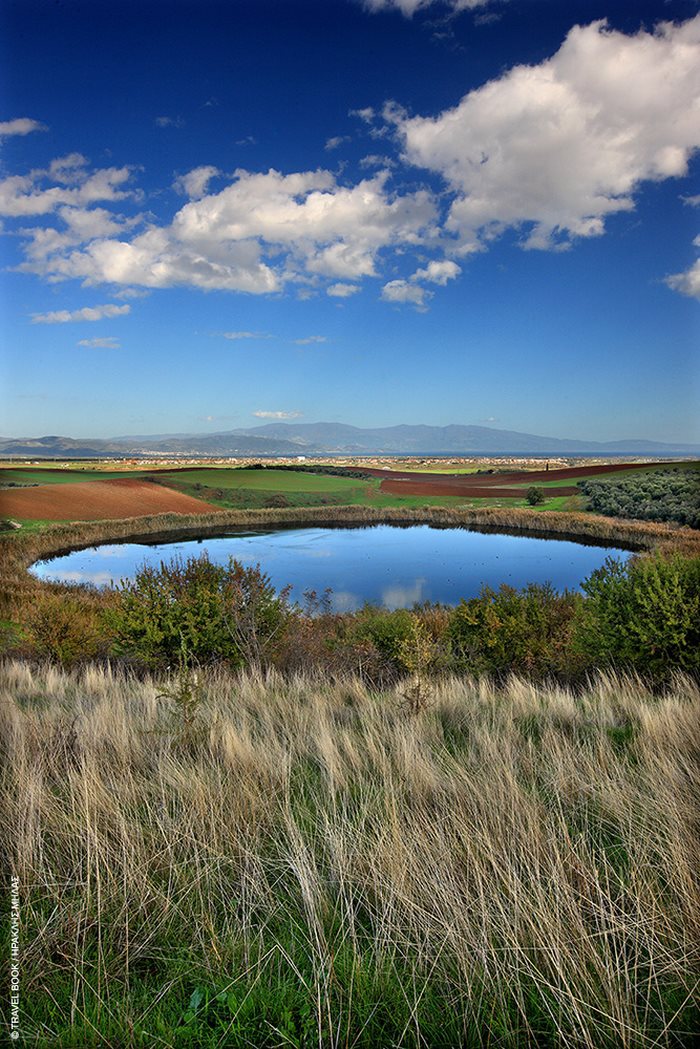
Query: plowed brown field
{"type": "Point", "coordinates": [97, 501]}
{"type": "Point", "coordinates": [489, 486]}
{"type": "Point", "coordinates": [423, 487]}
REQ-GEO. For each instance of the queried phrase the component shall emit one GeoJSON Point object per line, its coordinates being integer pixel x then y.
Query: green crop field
{"type": "Point", "coordinates": [267, 480]}
{"type": "Point", "coordinates": [252, 488]}
{"type": "Point", "coordinates": [10, 476]}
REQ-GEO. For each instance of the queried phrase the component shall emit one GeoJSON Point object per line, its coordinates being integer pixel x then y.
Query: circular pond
{"type": "Point", "coordinates": [387, 565]}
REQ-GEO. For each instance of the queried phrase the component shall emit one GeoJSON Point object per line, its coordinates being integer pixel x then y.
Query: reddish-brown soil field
{"type": "Point", "coordinates": [97, 501]}
{"type": "Point", "coordinates": [488, 486]}
{"type": "Point", "coordinates": [423, 487]}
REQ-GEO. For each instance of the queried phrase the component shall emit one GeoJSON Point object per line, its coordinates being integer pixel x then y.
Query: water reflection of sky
{"type": "Point", "coordinates": [396, 567]}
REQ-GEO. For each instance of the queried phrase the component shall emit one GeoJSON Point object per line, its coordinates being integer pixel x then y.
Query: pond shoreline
{"type": "Point", "coordinates": [392, 565]}
{"type": "Point", "coordinates": [19, 551]}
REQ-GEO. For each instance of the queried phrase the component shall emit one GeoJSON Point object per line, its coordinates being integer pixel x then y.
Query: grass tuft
{"type": "Point", "coordinates": [511, 866]}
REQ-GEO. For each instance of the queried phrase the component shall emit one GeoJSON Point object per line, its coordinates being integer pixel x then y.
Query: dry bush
{"type": "Point", "coordinates": [67, 628]}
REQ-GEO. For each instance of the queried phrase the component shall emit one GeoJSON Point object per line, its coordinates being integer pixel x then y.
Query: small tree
{"type": "Point", "coordinates": [418, 653]}
{"type": "Point", "coordinates": [535, 496]}
{"type": "Point", "coordinates": [185, 692]}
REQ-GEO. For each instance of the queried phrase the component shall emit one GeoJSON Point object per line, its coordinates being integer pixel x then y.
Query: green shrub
{"type": "Point", "coordinates": [526, 631]}
{"type": "Point", "coordinates": [644, 615]}
{"type": "Point", "coordinates": [535, 496]}
{"type": "Point", "coordinates": [671, 494]}
{"type": "Point", "coordinates": [387, 631]}
{"type": "Point", "coordinates": [219, 612]}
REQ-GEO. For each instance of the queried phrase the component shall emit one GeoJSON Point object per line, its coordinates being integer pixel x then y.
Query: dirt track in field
{"type": "Point", "coordinates": [97, 501]}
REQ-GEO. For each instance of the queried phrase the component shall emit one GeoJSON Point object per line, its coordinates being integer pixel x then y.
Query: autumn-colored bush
{"type": "Point", "coordinates": [67, 628]}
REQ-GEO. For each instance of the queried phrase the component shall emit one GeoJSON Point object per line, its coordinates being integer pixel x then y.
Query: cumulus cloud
{"type": "Point", "coordinates": [405, 291]}
{"type": "Point", "coordinates": [438, 272]}
{"type": "Point", "coordinates": [555, 148]}
{"type": "Point", "coordinates": [25, 196]}
{"type": "Point", "coordinates": [342, 291]}
{"type": "Point", "coordinates": [107, 343]}
{"type": "Point", "coordinates": [194, 183]}
{"type": "Point", "coordinates": [277, 415]}
{"type": "Point", "coordinates": [20, 126]}
{"type": "Point", "coordinates": [169, 122]}
{"type": "Point", "coordinates": [257, 233]}
{"type": "Point", "coordinates": [310, 339]}
{"type": "Point", "coordinates": [69, 169]}
{"type": "Point", "coordinates": [87, 313]}
{"type": "Point", "coordinates": [80, 226]}
{"type": "Point", "coordinates": [687, 283]}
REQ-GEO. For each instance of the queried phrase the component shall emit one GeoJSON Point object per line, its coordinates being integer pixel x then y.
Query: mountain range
{"type": "Point", "coordinates": [313, 439]}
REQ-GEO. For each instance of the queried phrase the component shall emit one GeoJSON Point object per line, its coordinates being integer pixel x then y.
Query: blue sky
{"type": "Point", "coordinates": [215, 214]}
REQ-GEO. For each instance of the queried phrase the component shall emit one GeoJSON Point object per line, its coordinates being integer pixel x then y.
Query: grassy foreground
{"type": "Point", "coordinates": [311, 866]}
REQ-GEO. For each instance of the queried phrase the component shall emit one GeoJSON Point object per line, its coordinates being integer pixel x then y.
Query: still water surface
{"type": "Point", "coordinates": [383, 564]}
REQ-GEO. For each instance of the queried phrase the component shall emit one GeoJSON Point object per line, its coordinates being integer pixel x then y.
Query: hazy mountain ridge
{"type": "Point", "coordinates": [322, 438]}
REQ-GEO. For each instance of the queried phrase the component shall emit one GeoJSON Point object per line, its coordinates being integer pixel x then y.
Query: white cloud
{"type": "Point", "coordinates": [194, 183]}
{"type": "Point", "coordinates": [20, 126]}
{"type": "Point", "coordinates": [234, 335]}
{"type": "Point", "coordinates": [342, 291]}
{"type": "Point", "coordinates": [69, 169]}
{"type": "Point", "coordinates": [409, 7]}
{"type": "Point", "coordinates": [131, 293]}
{"type": "Point", "coordinates": [169, 122]}
{"type": "Point", "coordinates": [23, 195]}
{"type": "Point", "coordinates": [259, 232]}
{"type": "Point", "coordinates": [377, 160]}
{"type": "Point", "coordinates": [87, 313]}
{"type": "Point", "coordinates": [277, 415]}
{"type": "Point", "coordinates": [107, 343]}
{"type": "Point", "coordinates": [80, 226]}
{"type": "Point", "coordinates": [367, 114]}
{"type": "Point", "coordinates": [335, 141]}
{"type": "Point", "coordinates": [438, 272]}
{"type": "Point", "coordinates": [310, 339]}
{"type": "Point", "coordinates": [154, 259]}
{"type": "Point", "coordinates": [687, 283]}
{"type": "Point", "coordinates": [403, 291]}
{"type": "Point", "coordinates": [555, 148]}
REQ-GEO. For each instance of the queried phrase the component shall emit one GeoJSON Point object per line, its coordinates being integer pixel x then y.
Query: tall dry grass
{"type": "Point", "coordinates": [515, 866]}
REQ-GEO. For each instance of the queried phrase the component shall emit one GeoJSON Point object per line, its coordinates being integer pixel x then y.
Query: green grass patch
{"type": "Point", "coordinates": [10, 477]}
{"type": "Point", "coordinates": [267, 480]}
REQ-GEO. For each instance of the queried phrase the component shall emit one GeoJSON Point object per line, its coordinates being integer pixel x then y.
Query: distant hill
{"type": "Point", "coordinates": [275, 439]}
{"type": "Point", "coordinates": [448, 439]}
